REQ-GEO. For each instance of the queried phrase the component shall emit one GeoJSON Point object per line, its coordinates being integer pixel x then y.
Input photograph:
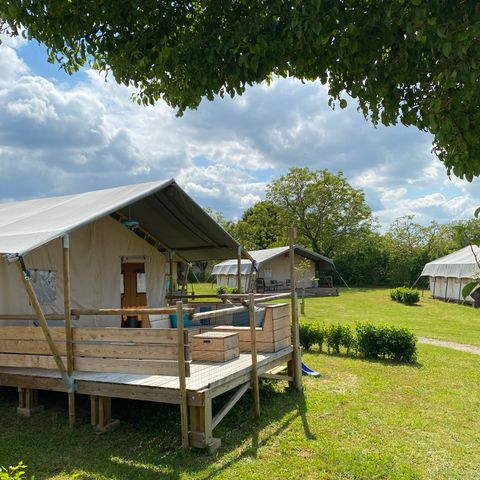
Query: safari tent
{"type": "Point", "coordinates": [448, 275]}
{"type": "Point", "coordinates": [78, 270]}
{"type": "Point", "coordinates": [116, 255]}
{"type": "Point", "coordinates": [270, 270]}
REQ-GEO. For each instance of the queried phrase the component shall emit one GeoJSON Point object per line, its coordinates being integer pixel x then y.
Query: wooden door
{"type": "Point", "coordinates": [134, 288]}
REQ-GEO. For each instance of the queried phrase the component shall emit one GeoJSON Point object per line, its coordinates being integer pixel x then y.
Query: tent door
{"type": "Point", "coordinates": [134, 293]}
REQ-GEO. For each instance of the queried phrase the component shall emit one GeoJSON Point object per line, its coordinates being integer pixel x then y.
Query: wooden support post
{"type": "Point", "coordinates": [101, 414]}
{"type": "Point", "coordinates": [239, 269]}
{"type": "Point", "coordinates": [170, 263]}
{"type": "Point", "coordinates": [43, 322]}
{"type": "Point", "coordinates": [28, 402]}
{"type": "Point", "coordinates": [250, 287]}
{"type": "Point", "coordinates": [185, 279]}
{"type": "Point", "coordinates": [253, 336]}
{"type": "Point", "coordinates": [201, 427]}
{"type": "Point", "coordinates": [296, 368]}
{"type": "Point", "coordinates": [182, 375]}
{"type": "Point", "coordinates": [68, 325]}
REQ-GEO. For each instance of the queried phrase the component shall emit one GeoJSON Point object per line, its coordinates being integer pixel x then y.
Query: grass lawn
{"type": "Point", "coordinates": [430, 318]}
{"type": "Point", "coordinates": [360, 420]}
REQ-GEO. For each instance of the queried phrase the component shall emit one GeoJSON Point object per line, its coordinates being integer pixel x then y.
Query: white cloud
{"type": "Point", "coordinates": [59, 137]}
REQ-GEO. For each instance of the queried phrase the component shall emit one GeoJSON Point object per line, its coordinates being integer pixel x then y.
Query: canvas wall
{"type": "Point", "coordinates": [451, 290]}
{"type": "Point", "coordinates": [96, 252]}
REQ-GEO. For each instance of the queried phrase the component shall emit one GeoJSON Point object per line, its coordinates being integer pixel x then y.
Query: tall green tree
{"type": "Point", "coordinates": [413, 61]}
{"type": "Point", "coordinates": [327, 211]}
{"type": "Point", "coordinates": [261, 227]}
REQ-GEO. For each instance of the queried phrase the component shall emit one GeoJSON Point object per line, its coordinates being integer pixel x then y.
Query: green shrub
{"type": "Point", "coordinates": [400, 344]}
{"type": "Point", "coordinates": [348, 338]}
{"type": "Point", "coordinates": [311, 334]}
{"type": "Point", "coordinates": [14, 473]}
{"type": "Point", "coordinates": [224, 289]}
{"type": "Point", "coordinates": [307, 335]}
{"type": "Point", "coordinates": [406, 295]}
{"type": "Point", "coordinates": [318, 335]}
{"type": "Point", "coordinates": [333, 337]}
{"type": "Point", "coordinates": [368, 341]}
{"type": "Point", "coordinates": [387, 341]}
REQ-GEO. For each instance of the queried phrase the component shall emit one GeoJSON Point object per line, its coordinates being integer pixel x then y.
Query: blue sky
{"type": "Point", "coordinates": [62, 134]}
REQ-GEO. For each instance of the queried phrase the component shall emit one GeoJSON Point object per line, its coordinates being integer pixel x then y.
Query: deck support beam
{"type": "Point", "coordinates": [182, 375]}
{"type": "Point", "coordinates": [28, 402]}
{"type": "Point", "coordinates": [200, 435]}
{"type": "Point", "coordinates": [253, 349]}
{"type": "Point", "coordinates": [101, 414]}
{"type": "Point", "coordinates": [295, 369]}
{"type": "Point", "coordinates": [68, 325]}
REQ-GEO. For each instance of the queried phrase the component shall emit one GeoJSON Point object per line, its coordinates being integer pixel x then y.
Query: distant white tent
{"type": "Point", "coordinates": [448, 275]}
{"type": "Point", "coordinates": [271, 264]}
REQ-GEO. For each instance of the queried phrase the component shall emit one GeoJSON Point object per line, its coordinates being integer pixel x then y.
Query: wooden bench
{"type": "Point", "coordinates": [274, 335]}
{"type": "Point", "coordinates": [97, 349]}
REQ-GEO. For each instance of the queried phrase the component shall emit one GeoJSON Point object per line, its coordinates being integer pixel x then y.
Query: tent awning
{"type": "Point", "coordinates": [164, 212]}
{"type": "Point", "coordinates": [459, 264]}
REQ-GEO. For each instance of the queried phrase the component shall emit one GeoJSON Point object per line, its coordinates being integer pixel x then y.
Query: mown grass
{"type": "Point", "coordinates": [360, 420]}
{"type": "Point", "coordinates": [429, 318]}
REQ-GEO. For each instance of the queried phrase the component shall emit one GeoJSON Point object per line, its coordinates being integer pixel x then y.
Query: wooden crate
{"type": "Point", "coordinates": [215, 346]}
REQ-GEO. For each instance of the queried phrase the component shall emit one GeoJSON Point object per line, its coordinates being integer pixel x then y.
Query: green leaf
{"type": "Point", "coordinates": [477, 212]}
{"type": "Point", "coordinates": [468, 289]}
{"type": "Point", "coordinates": [343, 103]}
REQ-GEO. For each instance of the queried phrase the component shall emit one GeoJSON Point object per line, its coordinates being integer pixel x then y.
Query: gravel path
{"type": "Point", "coordinates": [453, 345]}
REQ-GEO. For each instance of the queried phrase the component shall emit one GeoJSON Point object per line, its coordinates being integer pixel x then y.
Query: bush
{"type": "Point", "coordinates": [405, 295]}
{"type": "Point", "coordinates": [348, 338]}
{"type": "Point", "coordinates": [400, 344]}
{"type": "Point", "coordinates": [224, 289]}
{"type": "Point", "coordinates": [368, 341]}
{"type": "Point", "coordinates": [333, 336]}
{"type": "Point", "coordinates": [307, 335]}
{"type": "Point", "coordinates": [311, 334]}
{"type": "Point", "coordinates": [387, 341]}
{"type": "Point", "coordinates": [13, 473]}
{"type": "Point", "coordinates": [318, 335]}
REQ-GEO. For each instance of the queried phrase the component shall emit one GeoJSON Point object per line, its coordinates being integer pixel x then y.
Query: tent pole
{"type": "Point", "coordinates": [68, 325]}
{"type": "Point", "coordinates": [446, 289]}
{"type": "Point", "coordinates": [434, 285]}
{"type": "Point", "coordinates": [25, 277]}
{"type": "Point", "coordinates": [296, 354]}
{"type": "Point", "coordinates": [170, 263]}
{"type": "Point", "coordinates": [459, 290]}
{"type": "Point", "coordinates": [239, 269]}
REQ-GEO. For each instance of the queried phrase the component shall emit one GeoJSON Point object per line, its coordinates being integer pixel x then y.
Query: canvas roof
{"type": "Point", "coordinates": [163, 209]}
{"type": "Point", "coordinates": [261, 257]}
{"type": "Point", "coordinates": [459, 264]}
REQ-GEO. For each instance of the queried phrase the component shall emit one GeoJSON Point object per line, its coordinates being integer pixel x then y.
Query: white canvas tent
{"type": "Point", "coordinates": [271, 264]}
{"type": "Point", "coordinates": [448, 275]}
{"type": "Point", "coordinates": [167, 224]}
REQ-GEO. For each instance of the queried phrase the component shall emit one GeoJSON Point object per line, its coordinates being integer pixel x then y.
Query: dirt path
{"type": "Point", "coordinates": [453, 345]}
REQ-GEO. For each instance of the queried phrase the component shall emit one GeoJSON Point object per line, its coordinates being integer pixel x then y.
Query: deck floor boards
{"type": "Point", "coordinates": [203, 374]}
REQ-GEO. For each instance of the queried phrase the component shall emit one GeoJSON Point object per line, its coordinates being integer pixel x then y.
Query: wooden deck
{"type": "Point", "coordinates": [207, 380]}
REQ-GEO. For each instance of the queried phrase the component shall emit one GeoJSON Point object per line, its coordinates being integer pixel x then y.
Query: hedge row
{"type": "Point", "coordinates": [365, 340]}
{"type": "Point", "coordinates": [224, 289]}
{"type": "Point", "coordinates": [405, 295]}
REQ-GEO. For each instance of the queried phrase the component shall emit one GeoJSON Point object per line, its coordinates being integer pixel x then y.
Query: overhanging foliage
{"type": "Point", "coordinates": [413, 61]}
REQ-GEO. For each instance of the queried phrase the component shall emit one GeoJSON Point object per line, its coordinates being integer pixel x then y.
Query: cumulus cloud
{"type": "Point", "coordinates": [58, 137]}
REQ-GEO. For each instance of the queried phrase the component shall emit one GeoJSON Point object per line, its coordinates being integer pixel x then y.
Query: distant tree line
{"type": "Point", "coordinates": [333, 219]}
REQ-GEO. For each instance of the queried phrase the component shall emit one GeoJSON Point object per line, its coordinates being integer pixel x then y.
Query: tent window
{"type": "Point", "coordinates": [141, 283]}
{"type": "Point", "coordinates": [44, 283]}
